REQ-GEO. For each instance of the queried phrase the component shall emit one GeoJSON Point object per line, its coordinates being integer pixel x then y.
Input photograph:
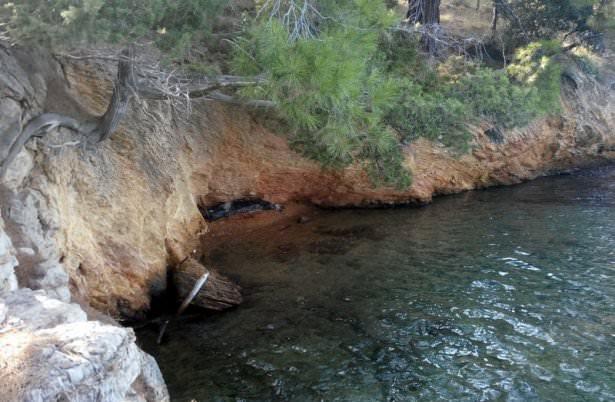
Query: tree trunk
{"type": "Point", "coordinates": [495, 16]}
{"type": "Point", "coordinates": [427, 13]}
{"type": "Point", "coordinates": [123, 90]}
{"type": "Point", "coordinates": [218, 293]}
{"type": "Point", "coordinates": [423, 11]}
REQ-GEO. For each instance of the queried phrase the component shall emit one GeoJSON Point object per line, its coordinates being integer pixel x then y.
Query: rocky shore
{"type": "Point", "coordinates": [85, 230]}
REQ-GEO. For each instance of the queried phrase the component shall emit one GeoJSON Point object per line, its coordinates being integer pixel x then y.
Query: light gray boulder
{"type": "Point", "coordinates": [50, 352]}
{"type": "Point", "coordinates": [8, 280]}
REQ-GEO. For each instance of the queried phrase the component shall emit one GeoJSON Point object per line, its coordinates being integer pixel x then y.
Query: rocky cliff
{"type": "Point", "coordinates": [93, 224]}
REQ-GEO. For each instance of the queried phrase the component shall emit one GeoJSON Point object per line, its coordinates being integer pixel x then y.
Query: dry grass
{"type": "Point", "coordinates": [460, 17]}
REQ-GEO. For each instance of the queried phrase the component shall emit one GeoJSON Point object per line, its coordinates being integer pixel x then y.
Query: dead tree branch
{"type": "Point", "coordinates": [443, 42]}
{"type": "Point", "coordinates": [255, 103]}
{"type": "Point", "coordinates": [37, 127]}
{"type": "Point", "coordinates": [195, 290]}
{"type": "Point", "coordinates": [123, 90]}
{"type": "Point", "coordinates": [164, 86]}
{"type": "Point", "coordinates": [300, 17]}
{"type": "Point", "coordinates": [134, 81]}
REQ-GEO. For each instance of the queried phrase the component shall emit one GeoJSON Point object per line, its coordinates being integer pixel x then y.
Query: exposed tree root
{"type": "Point", "coordinates": [150, 84]}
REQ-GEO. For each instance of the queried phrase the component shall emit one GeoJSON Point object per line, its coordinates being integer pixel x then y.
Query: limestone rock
{"type": "Point", "coordinates": [8, 280]}
{"type": "Point", "coordinates": [34, 310]}
{"type": "Point", "coordinates": [49, 352]}
{"type": "Point", "coordinates": [30, 221]}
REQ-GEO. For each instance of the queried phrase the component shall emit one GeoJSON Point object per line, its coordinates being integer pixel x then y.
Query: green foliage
{"type": "Point", "coordinates": [422, 107]}
{"type": "Point", "coordinates": [438, 107]}
{"type": "Point", "coordinates": [330, 90]}
{"type": "Point", "coordinates": [603, 19]}
{"type": "Point", "coordinates": [536, 66]}
{"type": "Point", "coordinates": [357, 91]}
{"type": "Point", "coordinates": [490, 95]}
{"type": "Point", "coordinates": [529, 88]}
{"type": "Point", "coordinates": [350, 88]}
{"type": "Point", "coordinates": [174, 25]}
{"type": "Point", "coordinates": [430, 114]}
{"type": "Point", "coordinates": [535, 20]}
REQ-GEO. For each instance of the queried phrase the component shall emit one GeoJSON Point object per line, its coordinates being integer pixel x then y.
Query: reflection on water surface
{"type": "Point", "coordinates": [504, 294]}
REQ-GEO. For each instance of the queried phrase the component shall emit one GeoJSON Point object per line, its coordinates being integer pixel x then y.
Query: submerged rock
{"type": "Point", "coordinates": [241, 206]}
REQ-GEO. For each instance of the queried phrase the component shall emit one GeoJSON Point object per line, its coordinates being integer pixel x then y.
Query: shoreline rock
{"type": "Point", "coordinates": [92, 224]}
{"type": "Point", "coordinates": [49, 351]}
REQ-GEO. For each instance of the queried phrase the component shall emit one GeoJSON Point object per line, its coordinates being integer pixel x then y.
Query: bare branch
{"type": "Point", "coordinates": [37, 127]}
{"type": "Point", "coordinates": [167, 85]}
{"type": "Point", "coordinates": [468, 47]}
{"type": "Point", "coordinates": [219, 96]}
{"type": "Point", "coordinates": [134, 81]}
{"type": "Point", "coordinates": [123, 90]}
{"type": "Point", "coordinates": [300, 17]}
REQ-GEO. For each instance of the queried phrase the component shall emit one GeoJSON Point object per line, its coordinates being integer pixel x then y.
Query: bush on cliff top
{"type": "Point", "coordinates": [173, 25]}
{"type": "Point", "coordinates": [350, 87]}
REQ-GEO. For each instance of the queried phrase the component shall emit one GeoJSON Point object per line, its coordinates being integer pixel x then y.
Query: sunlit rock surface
{"type": "Point", "coordinates": [8, 280]}
{"type": "Point", "coordinates": [108, 211]}
{"type": "Point", "coordinates": [95, 220]}
{"type": "Point", "coordinates": [90, 223]}
{"type": "Point", "coordinates": [49, 352]}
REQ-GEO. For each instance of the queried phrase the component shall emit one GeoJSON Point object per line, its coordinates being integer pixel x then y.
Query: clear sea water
{"type": "Point", "coordinates": [506, 294]}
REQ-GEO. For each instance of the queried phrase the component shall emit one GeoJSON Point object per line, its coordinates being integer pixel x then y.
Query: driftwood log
{"type": "Point", "coordinates": [200, 286]}
{"type": "Point", "coordinates": [195, 291]}
{"type": "Point", "coordinates": [218, 293]}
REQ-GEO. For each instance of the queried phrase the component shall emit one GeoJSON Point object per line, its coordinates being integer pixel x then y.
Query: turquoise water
{"type": "Point", "coordinates": [503, 294]}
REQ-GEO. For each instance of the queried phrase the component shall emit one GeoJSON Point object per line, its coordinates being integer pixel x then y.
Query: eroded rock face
{"type": "Point", "coordinates": [145, 183]}
{"type": "Point", "coordinates": [30, 221]}
{"type": "Point", "coordinates": [104, 215]}
{"type": "Point", "coordinates": [50, 352]}
{"type": "Point", "coordinates": [95, 224]}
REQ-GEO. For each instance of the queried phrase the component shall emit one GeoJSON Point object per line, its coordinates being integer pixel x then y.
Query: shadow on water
{"type": "Point", "coordinates": [503, 294]}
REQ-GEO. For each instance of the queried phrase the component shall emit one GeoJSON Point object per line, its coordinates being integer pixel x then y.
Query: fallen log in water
{"type": "Point", "coordinates": [218, 293]}
{"type": "Point", "coordinates": [195, 290]}
{"type": "Point", "coordinates": [202, 287]}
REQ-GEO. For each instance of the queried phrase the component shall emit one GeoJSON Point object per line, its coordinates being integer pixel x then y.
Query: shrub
{"type": "Point", "coordinates": [430, 114]}
{"type": "Point", "coordinates": [440, 107]}
{"type": "Point", "coordinates": [353, 94]}
{"type": "Point", "coordinates": [538, 66]}
{"type": "Point", "coordinates": [174, 25]}
{"type": "Point", "coordinates": [490, 95]}
{"type": "Point", "coordinates": [531, 20]}
{"type": "Point", "coordinates": [331, 91]}
{"type": "Point", "coordinates": [349, 87]}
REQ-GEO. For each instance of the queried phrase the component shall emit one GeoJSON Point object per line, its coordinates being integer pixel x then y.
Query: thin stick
{"type": "Point", "coordinates": [195, 290]}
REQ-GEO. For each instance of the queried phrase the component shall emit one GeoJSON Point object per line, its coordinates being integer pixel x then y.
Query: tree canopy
{"type": "Point", "coordinates": [351, 79]}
